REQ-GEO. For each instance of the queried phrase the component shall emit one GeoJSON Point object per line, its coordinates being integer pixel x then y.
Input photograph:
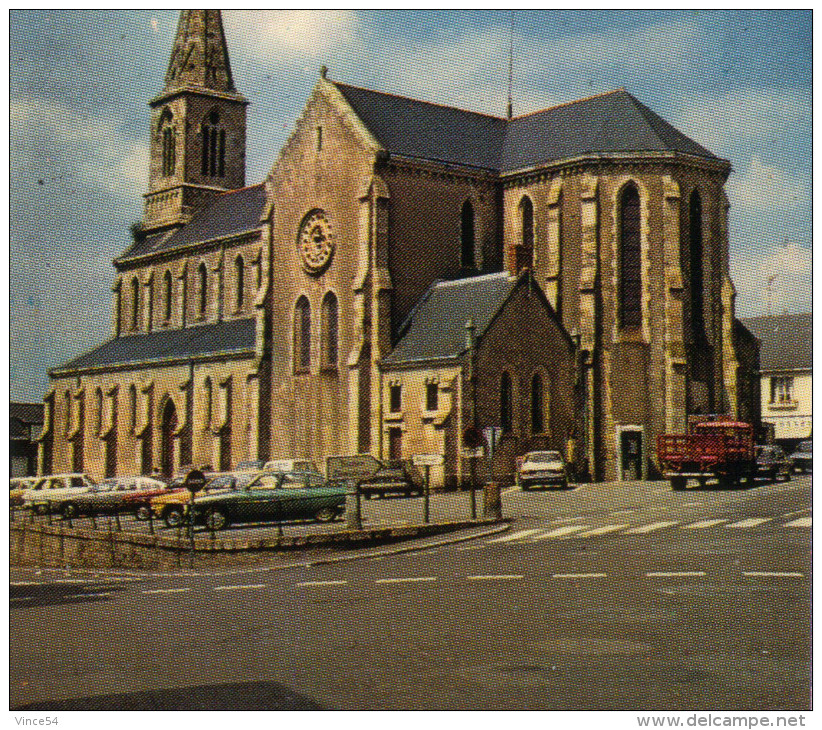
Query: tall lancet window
{"type": "Point", "coordinates": [630, 259]}
{"type": "Point", "coordinates": [213, 149]}
{"type": "Point", "coordinates": [697, 274]}
{"type": "Point", "coordinates": [168, 135]}
{"type": "Point", "coordinates": [525, 250]}
{"type": "Point", "coordinates": [467, 255]}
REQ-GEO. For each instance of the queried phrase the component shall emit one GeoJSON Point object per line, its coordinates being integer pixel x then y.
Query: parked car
{"type": "Point", "coordinates": [171, 506]}
{"type": "Point", "coordinates": [17, 485]}
{"type": "Point", "coordinates": [116, 494]}
{"type": "Point", "coordinates": [802, 458]}
{"type": "Point", "coordinates": [542, 468]}
{"type": "Point", "coordinates": [51, 491]}
{"type": "Point", "coordinates": [282, 465]}
{"type": "Point", "coordinates": [771, 462]}
{"type": "Point", "coordinates": [375, 477]}
{"type": "Point", "coordinates": [272, 496]}
{"type": "Point", "coordinates": [250, 465]}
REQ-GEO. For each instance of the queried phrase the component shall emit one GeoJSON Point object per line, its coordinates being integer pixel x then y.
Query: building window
{"type": "Point", "coordinates": [302, 336]}
{"type": "Point", "coordinates": [167, 295]}
{"type": "Point", "coordinates": [395, 398]}
{"type": "Point", "coordinates": [537, 404]}
{"type": "Point", "coordinates": [432, 393]}
{"type": "Point", "coordinates": [630, 259]}
{"type": "Point", "coordinates": [506, 403]}
{"type": "Point", "coordinates": [330, 330]}
{"type": "Point", "coordinates": [239, 277]}
{"type": "Point", "coordinates": [132, 408]}
{"type": "Point", "coordinates": [135, 303]}
{"type": "Point", "coordinates": [319, 139]}
{"type": "Point", "coordinates": [213, 150]}
{"type": "Point", "coordinates": [98, 411]}
{"type": "Point", "coordinates": [202, 276]}
{"type": "Point", "coordinates": [67, 406]}
{"type": "Point", "coordinates": [467, 255]}
{"type": "Point", "coordinates": [208, 403]}
{"type": "Point", "coordinates": [525, 250]}
{"type": "Point", "coordinates": [168, 133]}
{"type": "Point", "coordinates": [782, 389]}
{"type": "Point", "coordinates": [395, 443]}
{"type": "Point", "coordinates": [697, 277]}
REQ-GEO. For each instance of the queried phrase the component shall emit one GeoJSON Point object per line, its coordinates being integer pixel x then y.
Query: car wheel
{"type": "Point", "coordinates": [173, 517]}
{"type": "Point", "coordinates": [69, 510]}
{"type": "Point", "coordinates": [678, 483]}
{"type": "Point", "coordinates": [40, 509]}
{"type": "Point", "coordinates": [143, 512]}
{"type": "Point", "coordinates": [216, 519]}
{"type": "Point", "coordinates": [326, 514]}
{"type": "Point", "coordinates": [787, 476]}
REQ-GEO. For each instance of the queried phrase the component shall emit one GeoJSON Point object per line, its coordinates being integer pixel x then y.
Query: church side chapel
{"type": "Point", "coordinates": [407, 270]}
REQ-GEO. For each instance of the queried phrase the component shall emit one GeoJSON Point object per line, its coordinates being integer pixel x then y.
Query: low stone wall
{"type": "Point", "coordinates": [56, 545]}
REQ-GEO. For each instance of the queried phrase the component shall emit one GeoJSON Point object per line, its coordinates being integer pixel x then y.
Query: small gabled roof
{"type": "Point", "coordinates": [435, 329]}
{"type": "Point", "coordinates": [785, 341]}
{"type": "Point", "coordinates": [232, 337]}
{"type": "Point", "coordinates": [228, 214]}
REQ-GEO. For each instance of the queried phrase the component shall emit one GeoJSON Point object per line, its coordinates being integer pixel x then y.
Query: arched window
{"type": "Point", "coordinates": [167, 295]}
{"type": "Point", "coordinates": [630, 259]}
{"type": "Point", "coordinates": [98, 411]}
{"type": "Point", "coordinates": [525, 250]}
{"type": "Point", "coordinates": [302, 336]}
{"type": "Point", "coordinates": [168, 134]}
{"type": "Point", "coordinates": [135, 303]}
{"type": "Point", "coordinates": [202, 282]}
{"type": "Point", "coordinates": [330, 330]}
{"type": "Point", "coordinates": [537, 404]}
{"type": "Point", "coordinates": [132, 407]}
{"type": "Point", "coordinates": [239, 278]}
{"type": "Point", "coordinates": [208, 403]}
{"type": "Point", "coordinates": [697, 276]}
{"type": "Point", "coordinates": [506, 403]}
{"type": "Point", "coordinates": [467, 254]}
{"type": "Point", "coordinates": [213, 150]}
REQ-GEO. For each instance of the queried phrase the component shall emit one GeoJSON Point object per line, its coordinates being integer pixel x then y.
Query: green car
{"type": "Point", "coordinates": [272, 497]}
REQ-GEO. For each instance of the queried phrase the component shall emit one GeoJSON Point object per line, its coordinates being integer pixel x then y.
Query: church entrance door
{"type": "Point", "coordinates": [168, 427]}
{"type": "Point", "coordinates": [631, 448]}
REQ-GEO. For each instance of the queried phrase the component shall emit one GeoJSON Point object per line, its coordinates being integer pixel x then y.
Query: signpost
{"type": "Point", "coordinates": [427, 461]}
{"type": "Point", "coordinates": [473, 449]}
{"type": "Point", "coordinates": [194, 482]}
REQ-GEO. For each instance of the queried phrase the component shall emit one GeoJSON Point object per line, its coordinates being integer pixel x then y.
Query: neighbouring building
{"type": "Point", "coordinates": [786, 373]}
{"type": "Point", "coordinates": [25, 425]}
{"type": "Point", "coordinates": [271, 320]}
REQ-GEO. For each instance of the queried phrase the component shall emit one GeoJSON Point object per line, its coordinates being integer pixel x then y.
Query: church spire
{"type": "Point", "coordinates": [200, 55]}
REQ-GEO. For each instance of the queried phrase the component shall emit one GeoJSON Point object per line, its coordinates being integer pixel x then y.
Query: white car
{"type": "Point", "coordinates": [51, 491]}
{"type": "Point", "coordinates": [542, 468]}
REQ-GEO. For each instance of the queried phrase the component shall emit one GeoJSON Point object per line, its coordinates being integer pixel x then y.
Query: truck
{"type": "Point", "coordinates": [720, 449]}
{"type": "Point", "coordinates": [375, 477]}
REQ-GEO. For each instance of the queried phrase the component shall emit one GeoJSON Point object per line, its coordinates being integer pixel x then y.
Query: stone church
{"type": "Point", "coordinates": [407, 271]}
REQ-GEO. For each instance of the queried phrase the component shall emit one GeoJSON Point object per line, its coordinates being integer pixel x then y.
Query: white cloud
{"type": "Point", "coordinates": [770, 189]}
{"type": "Point", "coordinates": [788, 264]}
{"type": "Point", "coordinates": [295, 33]}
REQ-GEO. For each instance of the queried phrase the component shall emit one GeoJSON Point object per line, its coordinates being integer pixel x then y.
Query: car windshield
{"type": "Point", "coordinates": [543, 456]}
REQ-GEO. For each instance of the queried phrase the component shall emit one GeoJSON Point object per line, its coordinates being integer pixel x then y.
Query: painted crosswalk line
{"type": "Point", "coordinates": [677, 574]}
{"type": "Point", "coordinates": [702, 524]}
{"type": "Point", "coordinates": [751, 522]}
{"type": "Point", "coordinates": [770, 574]}
{"type": "Point", "coordinates": [514, 536]}
{"type": "Point", "coordinates": [424, 579]}
{"type": "Point", "coordinates": [560, 532]}
{"type": "Point", "coordinates": [645, 529]}
{"type": "Point", "coordinates": [801, 522]}
{"type": "Point", "coordinates": [604, 530]}
{"type": "Point", "coordinates": [579, 575]}
{"type": "Point", "coordinates": [495, 577]}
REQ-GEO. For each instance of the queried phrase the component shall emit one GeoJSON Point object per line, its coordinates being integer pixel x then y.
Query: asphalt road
{"type": "Point", "coordinates": [608, 597]}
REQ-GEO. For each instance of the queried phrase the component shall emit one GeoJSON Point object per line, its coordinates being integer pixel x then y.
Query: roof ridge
{"type": "Point", "coordinates": [239, 190]}
{"type": "Point", "coordinates": [472, 279]}
{"type": "Point", "coordinates": [420, 101]}
{"type": "Point", "coordinates": [574, 101]}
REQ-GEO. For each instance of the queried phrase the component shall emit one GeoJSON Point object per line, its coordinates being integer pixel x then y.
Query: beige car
{"type": "Point", "coordinates": [50, 492]}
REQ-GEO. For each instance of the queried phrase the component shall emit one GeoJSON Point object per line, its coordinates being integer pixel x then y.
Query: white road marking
{"type": "Point", "coordinates": [89, 595]}
{"type": "Point", "coordinates": [692, 504]}
{"type": "Point", "coordinates": [494, 577]}
{"type": "Point", "coordinates": [513, 536]}
{"type": "Point", "coordinates": [22, 598]}
{"type": "Point", "coordinates": [798, 512]}
{"type": "Point", "coordinates": [645, 529]}
{"type": "Point", "coordinates": [510, 489]}
{"type": "Point", "coordinates": [50, 582]}
{"type": "Point", "coordinates": [236, 588]}
{"type": "Point", "coordinates": [801, 522]}
{"type": "Point", "coordinates": [167, 590]}
{"type": "Point", "coordinates": [601, 530]}
{"type": "Point", "coordinates": [323, 583]}
{"type": "Point", "coordinates": [770, 574]}
{"type": "Point", "coordinates": [752, 522]}
{"type": "Point", "coordinates": [471, 547]}
{"type": "Point", "coordinates": [677, 574]}
{"type": "Point", "coordinates": [702, 524]}
{"type": "Point", "coordinates": [407, 580]}
{"type": "Point", "coordinates": [563, 520]}
{"type": "Point", "coordinates": [579, 575]}
{"type": "Point", "coordinates": [560, 532]}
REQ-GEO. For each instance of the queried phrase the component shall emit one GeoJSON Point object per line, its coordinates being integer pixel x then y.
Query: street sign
{"type": "Point", "coordinates": [195, 480]}
{"type": "Point", "coordinates": [427, 459]}
{"type": "Point", "coordinates": [492, 435]}
{"type": "Point", "coordinates": [476, 453]}
{"type": "Point", "coordinates": [473, 438]}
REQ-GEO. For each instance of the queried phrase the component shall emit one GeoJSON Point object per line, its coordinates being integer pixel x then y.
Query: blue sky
{"type": "Point", "coordinates": [738, 82]}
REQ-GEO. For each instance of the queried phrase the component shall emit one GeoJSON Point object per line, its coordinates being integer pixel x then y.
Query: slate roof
{"type": "Point", "coordinates": [232, 337]}
{"type": "Point", "coordinates": [228, 214]}
{"type": "Point", "coordinates": [26, 412]}
{"type": "Point", "coordinates": [436, 326]}
{"type": "Point", "coordinates": [786, 341]}
{"type": "Point", "coordinates": [612, 122]}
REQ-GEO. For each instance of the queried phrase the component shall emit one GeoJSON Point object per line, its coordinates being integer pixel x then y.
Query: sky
{"type": "Point", "coordinates": [738, 82]}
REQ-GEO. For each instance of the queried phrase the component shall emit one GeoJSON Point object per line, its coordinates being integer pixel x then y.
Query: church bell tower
{"type": "Point", "coordinates": [198, 125]}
